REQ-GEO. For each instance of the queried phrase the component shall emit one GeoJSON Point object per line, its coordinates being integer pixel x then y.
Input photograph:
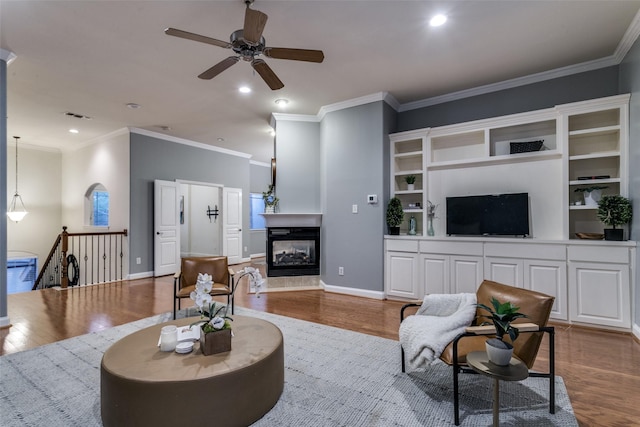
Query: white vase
{"type": "Point", "coordinates": [499, 356]}
{"type": "Point", "coordinates": [269, 209]}
{"type": "Point", "coordinates": [411, 187]}
{"type": "Point", "coordinates": [591, 198]}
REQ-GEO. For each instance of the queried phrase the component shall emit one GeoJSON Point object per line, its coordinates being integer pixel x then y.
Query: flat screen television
{"type": "Point", "coordinates": [488, 215]}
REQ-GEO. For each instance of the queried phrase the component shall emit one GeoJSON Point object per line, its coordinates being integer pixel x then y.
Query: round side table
{"type": "Point", "coordinates": [514, 371]}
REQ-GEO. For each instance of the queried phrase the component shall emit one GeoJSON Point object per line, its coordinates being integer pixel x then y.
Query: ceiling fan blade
{"type": "Point", "coordinates": [267, 74]}
{"type": "Point", "coordinates": [218, 68]}
{"type": "Point", "coordinates": [196, 37]}
{"type": "Point", "coordinates": [308, 55]}
{"type": "Point", "coordinates": [254, 22]}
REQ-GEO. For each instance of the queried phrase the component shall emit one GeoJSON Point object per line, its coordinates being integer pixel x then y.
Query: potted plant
{"type": "Point", "coordinates": [592, 194]}
{"type": "Point", "coordinates": [215, 325]}
{"type": "Point", "coordinates": [410, 180]}
{"type": "Point", "coordinates": [614, 210]}
{"type": "Point", "coordinates": [501, 315]}
{"type": "Point", "coordinates": [270, 199]}
{"type": "Point", "coordinates": [395, 215]}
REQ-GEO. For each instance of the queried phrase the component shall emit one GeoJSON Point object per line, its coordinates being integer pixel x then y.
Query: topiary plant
{"type": "Point", "coordinates": [395, 213]}
{"type": "Point", "coordinates": [410, 179]}
{"type": "Point", "coordinates": [614, 210]}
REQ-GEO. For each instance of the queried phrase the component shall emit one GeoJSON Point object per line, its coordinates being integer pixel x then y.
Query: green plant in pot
{"type": "Point", "coordinates": [591, 194]}
{"type": "Point", "coordinates": [410, 180]}
{"type": "Point", "coordinates": [395, 216]}
{"type": "Point", "coordinates": [501, 315]}
{"type": "Point", "coordinates": [614, 210]}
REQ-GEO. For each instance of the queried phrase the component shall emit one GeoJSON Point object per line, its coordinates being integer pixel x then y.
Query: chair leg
{"type": "Point", "coordinates": [552, 372]}
{"type": "Point", "coordinates": [456, 402]}
{"type": "Point", "coordinates": [402, 356]}
{"type": "Point", "coordinates": [174, 308]}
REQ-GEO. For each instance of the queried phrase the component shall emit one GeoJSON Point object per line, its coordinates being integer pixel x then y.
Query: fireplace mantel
{"type": "Point", "coordinates": [292, 219]}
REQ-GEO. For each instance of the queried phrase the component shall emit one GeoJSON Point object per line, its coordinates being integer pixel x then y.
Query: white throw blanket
{"type": "Point", "coordinates": [440, 319]}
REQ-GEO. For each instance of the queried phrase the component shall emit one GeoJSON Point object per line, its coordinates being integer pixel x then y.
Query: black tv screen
{"type": "Point", "coordinates": [488, 215]}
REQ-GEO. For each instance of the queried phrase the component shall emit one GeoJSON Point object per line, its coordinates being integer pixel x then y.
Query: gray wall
{"type": "Point", "coordinates": [354, 146]}
{"type": "Point", "coordinates": [630, 83]}
{"type": "Point", "coordinates": [298, 166]}
{"type": "Point", "coordinates": [153, 158]}
{"type": "Point", "coordinates": [259, 182]}
{"type": "Point", "coordinates": [546, 94]}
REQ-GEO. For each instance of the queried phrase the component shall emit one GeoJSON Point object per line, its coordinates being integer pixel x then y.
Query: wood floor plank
{"type": "Point", "coordinates": [601, 369]}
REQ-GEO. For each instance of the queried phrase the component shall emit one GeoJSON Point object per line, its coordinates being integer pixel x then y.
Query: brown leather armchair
{"type": "Point", "coordinates": [184, 281]}
{"type": "Point", "coordinates": [537, 306]}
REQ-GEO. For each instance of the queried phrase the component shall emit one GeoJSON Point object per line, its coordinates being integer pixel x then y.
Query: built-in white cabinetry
{"type": "Point", "coordinates": [599, 285]}
{"type": "Point", "coordinates": [591, 283]}
{"type": "Point", "coordinates": [584, 144]}
{"type": "Point", "coordinates": [539, 267]}
{"type": "Point", "coordinates": [401, 269]}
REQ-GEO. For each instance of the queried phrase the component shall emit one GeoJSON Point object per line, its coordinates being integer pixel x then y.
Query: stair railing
{"type": "Point", "coordinates": [78, 259]}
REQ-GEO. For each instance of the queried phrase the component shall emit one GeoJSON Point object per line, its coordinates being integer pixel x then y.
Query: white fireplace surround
{"type": "Point", "coordinates": [292, 219]}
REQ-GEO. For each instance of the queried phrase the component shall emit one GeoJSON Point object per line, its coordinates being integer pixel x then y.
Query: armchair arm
{"type": "Point", "coordinates": [416, 303]}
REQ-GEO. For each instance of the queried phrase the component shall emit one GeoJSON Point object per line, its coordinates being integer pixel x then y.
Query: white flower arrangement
{"type": "Point", "coordinates": [431, 209]}
{"type": "Point", "coordinates": [255, 278]}
{"type": "Point", "coordinates": [212, 317]}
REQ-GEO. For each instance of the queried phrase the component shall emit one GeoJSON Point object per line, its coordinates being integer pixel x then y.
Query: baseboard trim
{"type": "Point", "coordinates": [635, 330]}
{"type": "Point", "coordinates": [142, 275]}
{"type": "Point", "coordinates": [352, 291]}
{"type": "Point", "coordinates": [262, 255]}
{"type": "Point", "coordinates": [4, 322]}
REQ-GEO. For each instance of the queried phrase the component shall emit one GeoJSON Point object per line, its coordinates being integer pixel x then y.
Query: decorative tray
{"type": "Point", "coordinates": [590, 236]}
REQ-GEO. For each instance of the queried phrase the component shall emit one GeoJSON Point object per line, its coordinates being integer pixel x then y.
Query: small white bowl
{"type": "Point", "coordinates": [184, 347]}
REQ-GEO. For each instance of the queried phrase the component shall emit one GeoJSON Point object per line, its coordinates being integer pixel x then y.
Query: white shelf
{"type": "Point", "coordinates": [595, 181]}
{"type": "Point", "coordinates": [596, 131]}
{"type": "Point", "coordinates": [601, 155]}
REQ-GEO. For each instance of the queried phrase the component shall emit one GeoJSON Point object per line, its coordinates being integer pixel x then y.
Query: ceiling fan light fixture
{"type": "Point", "coordinates": [244, 89]}
{"type": "Point", "coordinates": [16, 211]}
{"type": "Point", "coordinates": [438, 20]}
{"type": "Point", "coordinates": [74, 131]}
{"type": "Point", "coordinates": [281, 102]}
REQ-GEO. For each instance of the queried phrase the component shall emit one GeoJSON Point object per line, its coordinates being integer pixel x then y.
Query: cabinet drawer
{"type": "Point", "coordinates": [456, 248]}
{"type": "Point", "coordinates": [402, 245]}
{"type": "Point", "coordinates": [526, 251]}
{"type": "Point", "coordinates": [599, 254]}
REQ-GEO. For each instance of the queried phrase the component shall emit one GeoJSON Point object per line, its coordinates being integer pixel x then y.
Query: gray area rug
{"type": "Point", "coordinates": [333, 377]}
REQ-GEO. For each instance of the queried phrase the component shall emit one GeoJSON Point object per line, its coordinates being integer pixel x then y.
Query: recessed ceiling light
{"type": "Point", "coordinates": [74, 131]}
{"type": "Point", "coordinates": [164, 127]}
{"type": "Point", "coordinates": [220, 139]}
{"type": "Point", "coordinates": [438, 20]}
{"type": "Point", "coordinates": [244, 89]}
{"type": "Point", "coordinates": [281, 102]}
{"type": "Point", "coordinates": [272, 132]}
{"type": "Point", "coordinates": [133, 105]}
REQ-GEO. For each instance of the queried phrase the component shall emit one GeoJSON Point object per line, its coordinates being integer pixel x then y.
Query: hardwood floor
{"type": "Point", "coordinates": [601, 369]}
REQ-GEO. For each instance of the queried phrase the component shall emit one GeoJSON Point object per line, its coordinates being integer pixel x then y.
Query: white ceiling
{"type": "Point", "coordinates": [94, 57]}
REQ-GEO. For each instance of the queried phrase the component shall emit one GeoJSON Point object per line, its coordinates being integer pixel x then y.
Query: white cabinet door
{"type": "Point", "coordinates": [466, 274]}
{"type": "Point", "coordinates": [401, 275]}
{"type": "Point", "coordinates": [435, 273]}
{"type": "Point", "coordinates": [549, 277]}
{"type": "Point", "coordinates": [508, 271]}
{"type": "Point", "coordinates": [600, 294]}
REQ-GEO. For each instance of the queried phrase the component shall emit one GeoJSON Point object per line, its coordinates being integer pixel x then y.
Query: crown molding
{"type": "Point", "coordinates": [367, 99]}
{"type": "Point", "coordinates": [257, 163]}
{"type": "Point", "coordinates": [7, 56]}
{"type": "Point", "coordinates": [188, 142]}
{"type": "Point", "coordinates": [101, 138]}
{"type": "Point", "coordinates": [293, 118]}
{"type": "Point", "coordinates": [629, 38]}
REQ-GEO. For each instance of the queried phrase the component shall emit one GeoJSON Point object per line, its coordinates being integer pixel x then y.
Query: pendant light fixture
{"type": "Point", "coordinates": [16, 211]}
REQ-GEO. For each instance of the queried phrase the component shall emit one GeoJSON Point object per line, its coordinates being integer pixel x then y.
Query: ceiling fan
{"type": "Point", "coordinates": [248, 44]}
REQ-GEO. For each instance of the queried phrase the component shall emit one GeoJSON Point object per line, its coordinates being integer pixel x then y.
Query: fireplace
{"type": "Point", "coordinates": [293, 251]}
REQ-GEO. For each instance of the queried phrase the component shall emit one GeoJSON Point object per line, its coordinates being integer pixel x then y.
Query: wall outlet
{"type": "Point", "coordinates": [138, 260]}
{"type": "Point", "coordinates": [340, 271]}
{"type": "Point", "coordinates": [245, 249]}
{"type": "Point", "coordinates": [354, 208]}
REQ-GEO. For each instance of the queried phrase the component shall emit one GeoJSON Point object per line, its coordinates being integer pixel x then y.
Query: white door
{"type": "Point", "coordinates": [166, 256]}
{"type": "Point", "coordinates": [232, 228]}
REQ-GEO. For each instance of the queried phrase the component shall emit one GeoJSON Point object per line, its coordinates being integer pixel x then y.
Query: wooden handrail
{"type": "Point", "coordinates": [61, 245]}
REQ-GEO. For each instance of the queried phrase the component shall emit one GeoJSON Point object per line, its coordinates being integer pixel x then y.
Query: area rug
{"type": "Point", "coordinates": [285, 284]}
{"type": "Point", "coordinates": [333, 377]}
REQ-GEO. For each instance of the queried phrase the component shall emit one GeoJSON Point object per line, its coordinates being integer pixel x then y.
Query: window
{"type": "Point", "coordinates": [96, 206]}
{"type": "Point", "coordinates": [257, 207]}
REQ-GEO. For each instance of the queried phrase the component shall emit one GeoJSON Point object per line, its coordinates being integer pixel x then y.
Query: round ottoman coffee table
{"type": "Point", "coordinates": [143, 386]}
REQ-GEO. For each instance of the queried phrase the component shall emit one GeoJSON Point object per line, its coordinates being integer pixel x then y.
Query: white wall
{"type": "Point", "coordinates": [105, 161]}
{"type": "Point", "coordinates": [39, 184]}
